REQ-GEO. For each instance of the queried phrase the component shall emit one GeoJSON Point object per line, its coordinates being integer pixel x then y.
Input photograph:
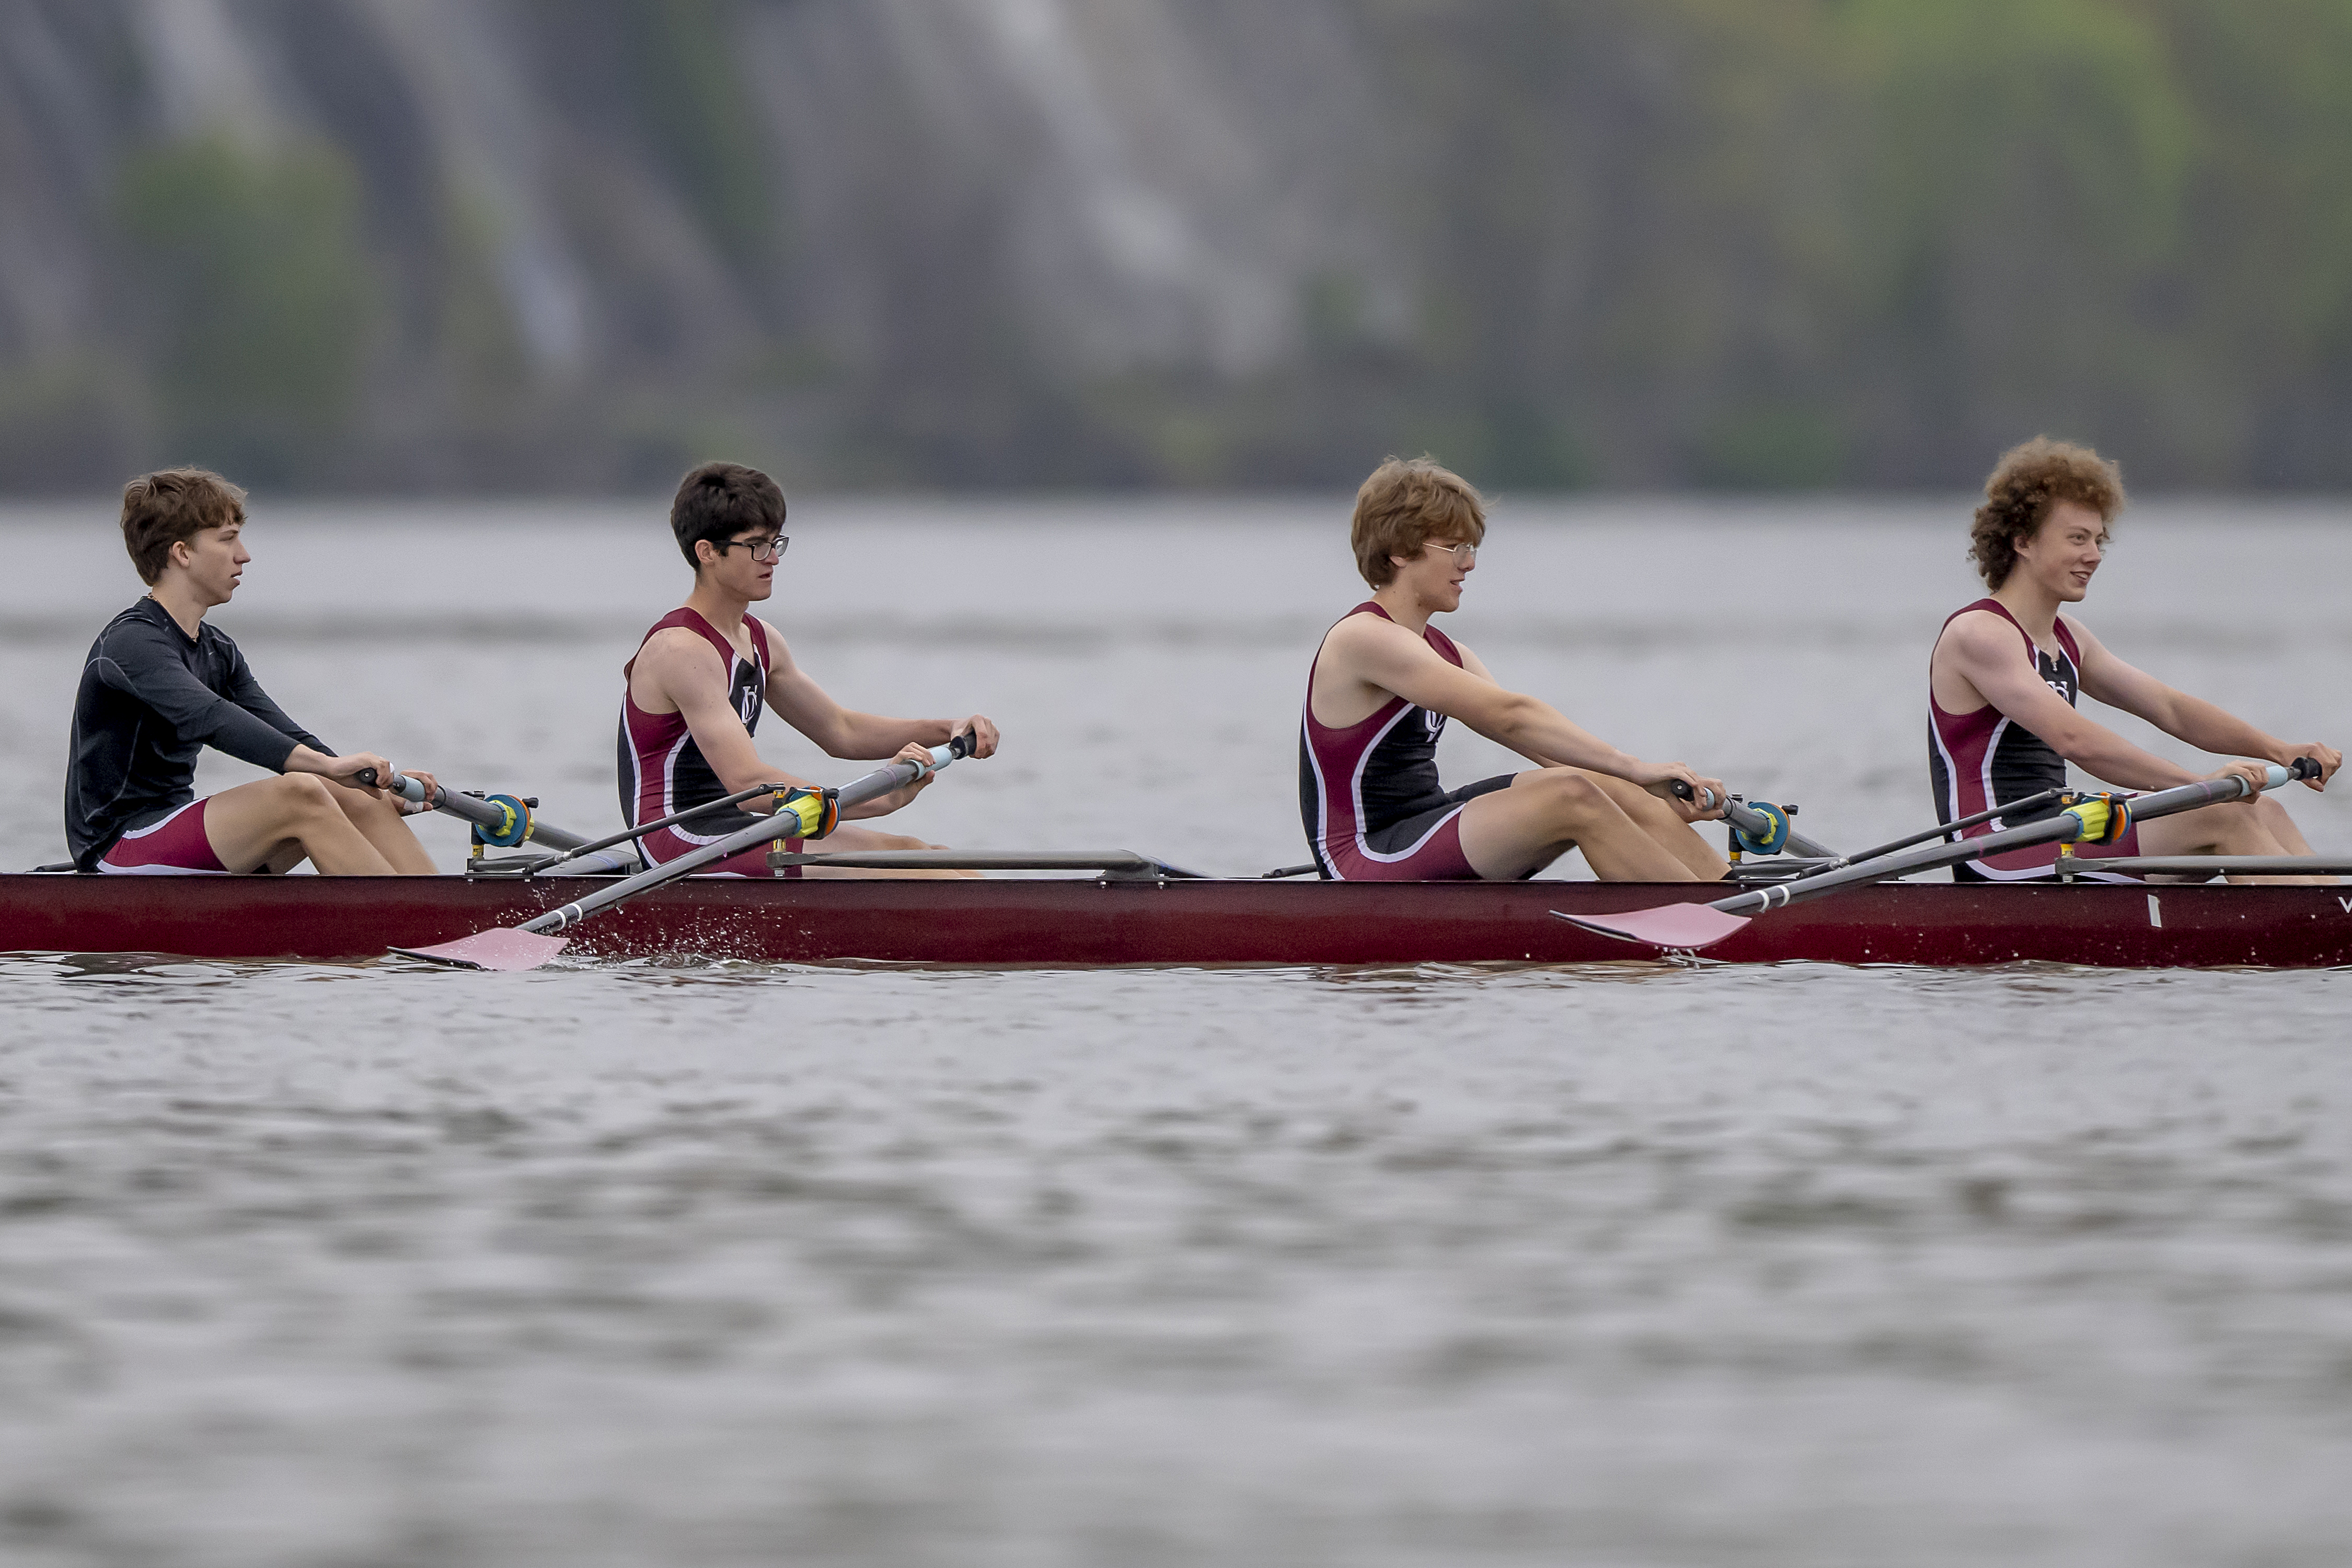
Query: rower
{"type": "Point", "coordinates": [1385, 682]}
{"type": "Point", "coordinates": [2007, 669]}
{"type": "Point", "coordinates": [161, 683]}
{"type": "Point", "coordinates": [700, 679]}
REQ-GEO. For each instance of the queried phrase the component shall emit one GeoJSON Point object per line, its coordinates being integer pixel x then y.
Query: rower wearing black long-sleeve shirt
{"type": "Point", "coordinates": [161, 685]}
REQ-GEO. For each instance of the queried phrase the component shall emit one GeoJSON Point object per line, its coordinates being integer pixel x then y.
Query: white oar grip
{"type": "Point", "coordinates": [2276, 776]}
{"type": "Point", "coordinates": [954, 751]}
{"type": "Point", "coordinates": [400, 783]}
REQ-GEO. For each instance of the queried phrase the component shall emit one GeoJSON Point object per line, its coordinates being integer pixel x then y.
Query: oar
{"type": "Point", "coordinates": [504, 820]}
{"type": "Point", "coordinates": [590, 847]}
{"type": "Point", "coordinates": [532, 943]}
{"type": "Point", "coordinates": [1764, 828]}
{"type": "Point", "coordinates": [1687, 927]}
{"type": "Point", "coordinates": [1945, 829]}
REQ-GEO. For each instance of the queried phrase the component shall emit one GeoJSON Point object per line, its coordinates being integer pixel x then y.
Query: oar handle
{"type": "Point", "coordinates": [1739, 814]}
{"type": "Point", "coordinates": [406, 788]}
{"type": "Point", "coordinates": [475, 810]}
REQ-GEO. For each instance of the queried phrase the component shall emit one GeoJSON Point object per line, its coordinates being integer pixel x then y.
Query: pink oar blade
{"type": "Point", "coordinates": [499, 948]}
{"type": "Point", "coordinates": [1683, 928]}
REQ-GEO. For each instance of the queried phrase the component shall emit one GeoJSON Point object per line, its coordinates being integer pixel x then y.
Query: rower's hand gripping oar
{"type": "Point", "coordinates": [1762, 827]}
{"type": "Point", "coordinates": [1687, 927]}
{"type": "Point", "coordinates": [532, 943]}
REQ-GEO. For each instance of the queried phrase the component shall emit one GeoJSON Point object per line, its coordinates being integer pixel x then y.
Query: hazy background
{"type": "Point", "coordinates": [1681, 1267]}
{"type": "Point", "coordinates": [518, 246]}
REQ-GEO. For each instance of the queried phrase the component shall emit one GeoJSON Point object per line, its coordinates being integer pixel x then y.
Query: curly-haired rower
{"type": "Point", "coordinates": [2007, 669]}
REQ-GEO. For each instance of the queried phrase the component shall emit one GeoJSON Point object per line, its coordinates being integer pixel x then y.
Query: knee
{"type": "Point", "coordinates": [306, 793]}
{"type": "Point", "coordinates": [1571, 796]}
{"type": "Point", "coordinates": [2243, 828]}
{"type": "Point", "coordinates": [358, 803]}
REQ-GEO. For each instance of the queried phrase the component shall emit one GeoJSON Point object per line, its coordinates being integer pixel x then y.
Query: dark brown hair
{"type": "Point", "coordinates": [718, 501]}
{"type": "Point", "coordinates": [2025, 484]}
{"type": "Point", "coordinates": [159, 509]}
{"type": "Point", "coordinates": [1404, 505]}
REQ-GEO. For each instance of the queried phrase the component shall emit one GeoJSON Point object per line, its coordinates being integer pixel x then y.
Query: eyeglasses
{"type": "Point", "coordinates": [769, 549]}
{"type": "Point", "coordinates": [1465, 555]}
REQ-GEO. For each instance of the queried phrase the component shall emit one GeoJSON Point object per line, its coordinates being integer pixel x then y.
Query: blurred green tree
{"type": "Point", "coordinates": [2020, 217]}
{"type": "Point", "coordinates": [259, 301]}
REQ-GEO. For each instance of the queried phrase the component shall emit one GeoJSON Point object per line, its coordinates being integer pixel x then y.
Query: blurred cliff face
{"type": "Point", "coordinates": [576, 244]}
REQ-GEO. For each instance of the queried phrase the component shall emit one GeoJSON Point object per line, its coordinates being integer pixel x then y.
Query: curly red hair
{"type": "Point", "coordinates": [2025, 484]}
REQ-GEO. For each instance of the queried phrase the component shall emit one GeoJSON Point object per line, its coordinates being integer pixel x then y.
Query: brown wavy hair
{"type": "Point", "coordinates": [162, 509]}
{"type": "Point", "coordinates": [1406, 503]}
{"type": "Point", "coordinates": [2025, 484]}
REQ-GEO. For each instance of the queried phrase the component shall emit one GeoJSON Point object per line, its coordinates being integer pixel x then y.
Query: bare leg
{"type": "Point", "coordinates": [1657, 819]}
{"type": "Point", "coordinates": [2262, 827]}
{"type": "Point", "coordinates": [1546, 813]}
{"type": "Point", "coordinates": [381, 826]}
{"type": "Point", "coordinates": [279, 822]}
{"type": "Point", "coordinates": [867, 839]}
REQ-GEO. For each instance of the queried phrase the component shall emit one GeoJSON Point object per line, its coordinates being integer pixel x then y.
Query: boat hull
{"type": "Point", "coordinates": [1072, 923]}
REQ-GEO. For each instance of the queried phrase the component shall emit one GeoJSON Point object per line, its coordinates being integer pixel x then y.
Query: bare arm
{"type": "Point", "coordinates": [678, 672]}
{"type": "Point", "coordinates": [2202, 724]}
{"type": "Point", "coordinates": [1983, 651]}
{"type": "Point", "coordinates": [843, 732]}
{"type": "Point", "coordinates": [1385, 655]}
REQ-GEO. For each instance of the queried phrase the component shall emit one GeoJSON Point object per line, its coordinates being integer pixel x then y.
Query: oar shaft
{"type": "Point", "coordinates": [1944, 830]}
{"type": "Point", "coordinates": [2064, 829]}
{"type": "Point", "coordinates": [880, 782]}
{"type": "Point", "coordinates": [590, 845]}
{"type": "Point", "coordinates": [472, 809]}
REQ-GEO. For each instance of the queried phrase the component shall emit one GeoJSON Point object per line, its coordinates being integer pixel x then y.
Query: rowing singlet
{"type": "Point", "coordinates": [1977, 760]}
{"type": "Point", "coordinates": [663, 771]}
{"type": "Point", "coordinates": [1369, 794]}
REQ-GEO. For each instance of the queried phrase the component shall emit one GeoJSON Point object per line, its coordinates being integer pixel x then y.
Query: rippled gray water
{"type": "Point", "coordinates": [728, 1263]}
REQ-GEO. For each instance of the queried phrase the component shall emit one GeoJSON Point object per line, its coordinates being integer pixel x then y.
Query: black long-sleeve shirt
{"type": "Point", "coordinates": [152, 697]}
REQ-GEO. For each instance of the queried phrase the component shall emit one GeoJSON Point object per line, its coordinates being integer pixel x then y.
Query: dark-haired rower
{"type": "Point", "coordinates": [161, 684]}
{"type": "Point", "coordinates": [1381, 687]}
{"type": "Point", "coordinates": [699, 680]}
{"type": "Point", "coordinates": [2006, 670]}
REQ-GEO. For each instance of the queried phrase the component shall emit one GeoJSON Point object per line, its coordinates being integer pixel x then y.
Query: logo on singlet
{"type": "Point", "coordinates": [1436, 723]}
{"type": "Point", "coordinates": [748, 706]}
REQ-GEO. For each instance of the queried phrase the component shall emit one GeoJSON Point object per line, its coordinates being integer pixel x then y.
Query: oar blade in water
{"type": "Point", "coordinates": [499, 948]}
{"type": "Point", "coordinates": [1684, 928]}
